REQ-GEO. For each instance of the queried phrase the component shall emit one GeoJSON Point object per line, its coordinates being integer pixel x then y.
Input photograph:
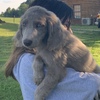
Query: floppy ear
{"type": "Point", "coordinates": [55, 34]}
{"type": "Point", "coordinates": [18, 38]}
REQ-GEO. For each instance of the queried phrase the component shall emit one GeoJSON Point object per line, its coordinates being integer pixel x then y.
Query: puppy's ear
{"type": "Point", "coordinates": [18, 38]}
{"type": "Point", "coordinates": [55, 34]}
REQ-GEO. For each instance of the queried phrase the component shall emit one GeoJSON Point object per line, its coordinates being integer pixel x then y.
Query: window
{"type": "Point", "coordinates": [77, 11]}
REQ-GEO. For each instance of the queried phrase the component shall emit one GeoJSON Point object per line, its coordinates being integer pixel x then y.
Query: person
{"type": "Point", "coordinates": [75, 86]}
{"type": "Point", "coordinates": [61, 9]}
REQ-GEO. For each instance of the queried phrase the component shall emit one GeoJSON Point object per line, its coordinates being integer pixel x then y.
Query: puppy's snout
{"type": "Point", "coordinates": [27, 42]}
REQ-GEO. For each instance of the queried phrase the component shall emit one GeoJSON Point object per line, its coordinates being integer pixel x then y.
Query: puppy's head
{"type": "Point", "coordinates": [39, 26]}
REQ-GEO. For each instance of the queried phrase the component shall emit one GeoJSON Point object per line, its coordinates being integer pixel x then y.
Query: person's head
{"type": "Point", "coordinates": [61, 9]}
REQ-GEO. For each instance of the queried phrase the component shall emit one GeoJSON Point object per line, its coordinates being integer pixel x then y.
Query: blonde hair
{"type": "Point", "coordinates": [13, 59]}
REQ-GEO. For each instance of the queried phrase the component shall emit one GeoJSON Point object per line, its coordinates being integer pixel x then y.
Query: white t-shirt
{"type": "Point", "coordinates": [75, 86]}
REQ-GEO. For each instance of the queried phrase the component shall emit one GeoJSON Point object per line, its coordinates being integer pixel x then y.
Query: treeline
{"type": "Point", "coordinates": [16, 12]}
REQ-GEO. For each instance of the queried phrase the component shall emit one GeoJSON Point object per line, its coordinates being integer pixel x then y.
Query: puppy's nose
{"type": "Point", "coordinates": [27, 42]}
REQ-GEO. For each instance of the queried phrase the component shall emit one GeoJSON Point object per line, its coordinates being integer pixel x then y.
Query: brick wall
{"type": "Point", "coordinates": [88, 8]}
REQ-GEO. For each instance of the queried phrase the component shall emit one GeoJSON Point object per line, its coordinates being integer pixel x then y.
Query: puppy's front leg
{"type": "Point", "coordinates": [53, 76]}
{"type": "Point", "coordinates": [38, 70]}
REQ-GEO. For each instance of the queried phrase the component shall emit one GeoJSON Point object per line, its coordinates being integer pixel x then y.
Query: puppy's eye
{"type": "Point", "coordinates": [39, 25]}
{"type": "Point", "coordinates": [24, 24]}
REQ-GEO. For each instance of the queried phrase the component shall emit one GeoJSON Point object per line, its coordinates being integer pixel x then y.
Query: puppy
{"type": "Point", "coordinates": [56, 49]}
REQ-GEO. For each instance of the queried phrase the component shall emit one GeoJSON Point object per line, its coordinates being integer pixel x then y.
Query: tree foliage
{"type": "Point", "coordinates": [16, 12]}
{"type": "Point", "coordinates": [22, 8]}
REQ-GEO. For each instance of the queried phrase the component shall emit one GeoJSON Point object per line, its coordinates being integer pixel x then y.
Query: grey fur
{"type": "Point", "coordinates": [56, 48]}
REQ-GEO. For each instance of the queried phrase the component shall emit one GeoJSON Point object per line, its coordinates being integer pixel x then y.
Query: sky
{"type": "Point", "coordinates": [4, 4]}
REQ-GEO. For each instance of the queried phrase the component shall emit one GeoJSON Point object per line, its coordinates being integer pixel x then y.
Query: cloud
{"type": "Point", "coordinates": [5, 1]}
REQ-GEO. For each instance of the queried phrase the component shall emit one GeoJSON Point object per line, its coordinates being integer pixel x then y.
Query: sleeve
{"type": "Point", "coordinates": [23, 72]}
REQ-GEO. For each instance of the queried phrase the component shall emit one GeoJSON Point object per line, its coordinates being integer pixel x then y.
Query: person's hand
{"type": "Point", "coordinates": [97, 97]}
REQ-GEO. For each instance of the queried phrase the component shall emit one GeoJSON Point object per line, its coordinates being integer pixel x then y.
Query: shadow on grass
{"type": "Point", "coordinates": [8, 86]}
{"type": "Point", "coordinates": [9, 26]}
{"type": "Point", "coordinates": [6, 45]}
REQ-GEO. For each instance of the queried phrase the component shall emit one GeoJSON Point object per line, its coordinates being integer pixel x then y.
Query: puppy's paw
{"type": "Point", "coordinates": [38, 78]}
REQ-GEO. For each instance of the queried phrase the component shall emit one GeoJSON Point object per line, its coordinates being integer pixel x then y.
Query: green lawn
{"type": "Point", "coordinates": [9, 89]}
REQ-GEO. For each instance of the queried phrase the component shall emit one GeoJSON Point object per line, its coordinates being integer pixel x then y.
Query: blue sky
{"type": "Point", "coordinates": [4, 4]}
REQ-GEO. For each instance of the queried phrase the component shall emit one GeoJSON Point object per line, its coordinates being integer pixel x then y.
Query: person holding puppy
{"type": "Point", "coordinates": [75, 86]}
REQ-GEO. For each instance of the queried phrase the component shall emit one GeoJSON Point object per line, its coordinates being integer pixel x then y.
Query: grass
{"type": "Point", "coordinates": [9, 89]}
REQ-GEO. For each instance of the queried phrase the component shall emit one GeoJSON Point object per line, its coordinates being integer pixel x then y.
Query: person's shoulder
{"type": "Point", "coordinates": [24, 61]}
{"type": "Point", "coordinates": [26, 57]}
{"type": "Point", "coordinates": [23, 67]}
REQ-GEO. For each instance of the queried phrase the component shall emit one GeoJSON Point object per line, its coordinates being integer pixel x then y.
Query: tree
{"type": "Point", "coordinates": [17, 12]}
{"type": "Point", "coordinates": [2, 14]}
{"type": "Point", "coordinates": [7, 13]}
{"type": "Point", "coordinates": [22, 8]}
{"type": "Point", "coordinates": [28, 1]}
{"type": "Point", "coordinates": [14, 13]}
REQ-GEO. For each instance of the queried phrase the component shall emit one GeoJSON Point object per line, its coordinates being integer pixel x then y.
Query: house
{"type": "Point", "coordinates": [85, 11]}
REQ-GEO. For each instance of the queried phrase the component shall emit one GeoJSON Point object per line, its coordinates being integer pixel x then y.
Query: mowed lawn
{"type": "Point", "coordinates": [9, 89]}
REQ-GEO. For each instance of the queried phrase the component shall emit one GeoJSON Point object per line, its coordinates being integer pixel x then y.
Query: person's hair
{"type": "Point", "coordinates": [60, 8]}
{"type": "Point", "coordinates": [16, 53]}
